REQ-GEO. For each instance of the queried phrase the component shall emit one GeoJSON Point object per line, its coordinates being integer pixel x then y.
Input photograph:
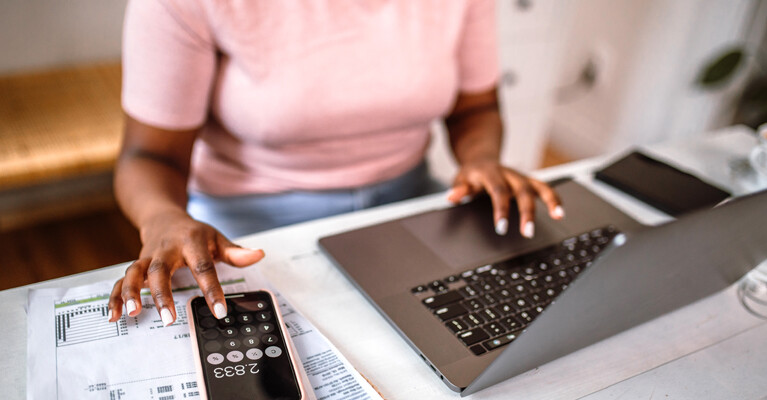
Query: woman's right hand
{"type": "Point", "coordinates": [171, 241]}
{"type": "Point", "coordinates": [150, 186]}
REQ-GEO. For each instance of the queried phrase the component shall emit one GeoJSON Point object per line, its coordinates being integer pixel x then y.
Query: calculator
{"type": "Point", "coordinates": [247, 354]}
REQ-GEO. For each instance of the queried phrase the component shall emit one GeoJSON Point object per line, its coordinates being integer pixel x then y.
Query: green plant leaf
{"type": "Point", "coordinates": [721, 69]}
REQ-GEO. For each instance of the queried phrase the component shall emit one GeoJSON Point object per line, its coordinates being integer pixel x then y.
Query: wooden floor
{"type": "Point", "coordinates": [66, 247]}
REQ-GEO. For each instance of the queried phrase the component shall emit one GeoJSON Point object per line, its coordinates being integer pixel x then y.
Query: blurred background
{"type": "Point", "coordinates": [579, 78]}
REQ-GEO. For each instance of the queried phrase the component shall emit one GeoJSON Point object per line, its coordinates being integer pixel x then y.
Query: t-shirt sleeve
{"type": "Point", "coordinates": [478, 48]}
{"type": "Point", "coordinates": [169, 62]}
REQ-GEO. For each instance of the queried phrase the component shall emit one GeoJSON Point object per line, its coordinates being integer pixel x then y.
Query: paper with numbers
{"type": "Point", "coordinates": [73, 352]}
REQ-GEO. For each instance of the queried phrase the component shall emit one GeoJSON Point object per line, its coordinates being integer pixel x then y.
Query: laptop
{"type": "Point", "coordinates": [481, 308]}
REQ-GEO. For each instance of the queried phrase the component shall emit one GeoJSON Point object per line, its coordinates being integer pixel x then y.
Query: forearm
{"type": "Point", "coordinates": [152, 171]}
{"type": "Point", "coordinates": [475, 129]}
{"type": "Point", "coordinates": [476, 136]}
{"type": "Point", "coordinates": [147, 188]}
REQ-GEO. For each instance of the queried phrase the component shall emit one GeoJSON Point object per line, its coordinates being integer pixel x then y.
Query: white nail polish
{"type": "Point", "coordinates": [130, 306]}
{"type": "Point", "coordinates": [529, 230]}
{"type": "Point", "coordinates": [219, 310]}
{"type": "Point", "coordinates": [466, 199]}
{"type": "Point", "coordinates": [109, 315]}
{"type": "Point", "coordinates": [558, 212]}
{"type": "Point", "coordinates": [167, 317]}
{"type": "Point", "coordinates": [502, 226]}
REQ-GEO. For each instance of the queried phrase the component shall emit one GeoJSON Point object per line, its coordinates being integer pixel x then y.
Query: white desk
{"type": "Point", "coordinates": [711, 349]}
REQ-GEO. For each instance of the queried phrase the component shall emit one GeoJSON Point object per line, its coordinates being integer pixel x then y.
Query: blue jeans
{"type": "Point", "coordinates": [236, 216]}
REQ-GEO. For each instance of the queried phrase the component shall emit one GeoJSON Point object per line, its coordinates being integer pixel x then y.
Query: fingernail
{"type": "Point", "coordinates": [167, 317]}
{"type": "Point", "coordinates": [130, 306]}
{"type": "Point", "coordinates": [465, 199]}
{"type": "Point", "coordinates": [502, 226]}
{"type": "Point", "coordinates": [529, 230]}
{"type": "Point", "coordinates": [109, 315]}
{"type": "Point", "coordinates": [558, 212]}
{"type": "Point", "coordinates": [241, 251]}
{"type": "Point", "coordinates": [219, 310]}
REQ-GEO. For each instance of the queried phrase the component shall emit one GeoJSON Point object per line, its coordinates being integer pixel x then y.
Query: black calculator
{"type": "Point", "coordinates": [247, 354]}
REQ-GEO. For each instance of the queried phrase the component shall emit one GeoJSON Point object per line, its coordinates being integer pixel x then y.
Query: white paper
{"type": "Point", "coordinates": [75, 353]}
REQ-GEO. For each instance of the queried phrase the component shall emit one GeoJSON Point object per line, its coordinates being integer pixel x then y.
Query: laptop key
{"type": "Point", "coordinates": [526, 316]}
{"type": "Point", "coordinates": [490, 314]}
{"type": "Point", "coordinates": [495, 343]}
{"type": "Point", "coordinates": [473, 304]}
{"type": "Point", "coordinates": [474, 319]}
{"type": "Point", "coordinates": [489, 299]}
{"type": "Point", "coordinates": [506, 309]}
{"type": "Point", "coordinates": [467, 291]}
{"type": "Point", "coordinates": [473, 336]}
{"type": "Point", "coordinates": [442, 299]}
{"type": "Point", "coordinates": [457, 325]}
{"type": "Point", "coordinates": [495, 329]}
{"type": "Point", "coordinates": [512, 324]}
{"type": "Point", "coordinates": [418, 289]}
{"type": "Point", "coordinates": [450, 311]}
{"type": "Point", "coordinates": [477, 349]}
{"type": "Point", "coordinates": [504, 295]}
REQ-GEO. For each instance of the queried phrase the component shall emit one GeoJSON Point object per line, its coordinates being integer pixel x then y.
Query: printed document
{"type": "Point", "coordinates": [75, 353]}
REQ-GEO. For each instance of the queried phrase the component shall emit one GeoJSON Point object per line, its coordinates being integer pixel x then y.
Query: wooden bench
{"type": "Point", "coordinates": [59, 138]}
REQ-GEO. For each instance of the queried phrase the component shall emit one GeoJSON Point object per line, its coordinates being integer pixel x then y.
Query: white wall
{"type": "Point", "coordinates": [648, 54]}
{"type": "Point", "coordinates": [40, 34]}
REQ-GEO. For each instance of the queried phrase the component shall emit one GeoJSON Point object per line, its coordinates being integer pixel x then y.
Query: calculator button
{"type": "Point", "coordinates": [210, 334]}
{"type": "Point", "coordinates": [269, 339]}
{"type": "Point", "coordinates": [254, 354]}
{"type": "Point", "coordinates": [204, 311]}
{"type": "Point", "coordinates": [229, 332]}
{"type": "Point", "coordinates": [212, 346]}
{"type": "Point", "coordinates": [232, 344]}
{"type": "Point", "coordinates": [215, 358]}
{"type": "Point", "coordinates": [208, 323]}
{"type": "Point", "coordinates": [265, 328]}
{"type": "Point", "coordinates": [235, 356]}
{"type": "Point", "coordinates": [248, 330]}
{"type": "Point", "coordinates": [264, 316]}
{"type": "Point", "coordinates": [250, 342]}
{"type": "Point", "coordinates": [226, 321]}
{"type": "Point", "coordinates": [273, 351]}
{"type": "Point", "coordinates": [245, 318]}
{"type": "Point", "coordinates": [252, 306]}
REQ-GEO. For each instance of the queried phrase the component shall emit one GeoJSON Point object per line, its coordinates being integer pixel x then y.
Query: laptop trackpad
{"type": "Point", "coordinates": [464, 237]}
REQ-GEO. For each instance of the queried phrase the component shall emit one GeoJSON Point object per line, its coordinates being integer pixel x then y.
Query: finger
{"type": "Point", "coordinates": [131, 286]}
{"type": "Point", "coordinates": [236, 255]}
{"type": "Point", "coordinates": [550, 198]}
{"type": "Point", "coordinates": [158, 275]}
{"type": "Point", "coordinates": [525, 204]}
{"type": "Point", "coordinates": [115, 305]}
{"type": "Point", "coordinates": [500, 194]}
{"type": "Point", "coordinates": [465, 188]}
{"type": "Point", "coordinates": [461, 192]}
{"type": "Point", "coordinates": [203, 268]}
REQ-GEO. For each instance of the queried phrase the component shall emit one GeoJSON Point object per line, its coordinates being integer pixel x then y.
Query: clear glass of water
{"type": "Point", "coordinates": [758, 157]}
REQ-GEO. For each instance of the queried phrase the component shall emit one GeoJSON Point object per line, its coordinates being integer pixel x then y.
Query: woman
{"type": "Point", "coordinates": [252, 114]}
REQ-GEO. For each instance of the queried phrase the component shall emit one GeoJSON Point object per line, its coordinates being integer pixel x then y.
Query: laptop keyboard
{"type": "Point", "coordinates": [488, 307]}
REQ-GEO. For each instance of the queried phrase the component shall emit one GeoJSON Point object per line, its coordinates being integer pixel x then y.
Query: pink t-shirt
{"type": "Point", "coordinates": [303, 95]}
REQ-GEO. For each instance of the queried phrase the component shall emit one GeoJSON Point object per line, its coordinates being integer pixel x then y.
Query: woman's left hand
{"type": "Point", "coordinates": [502, 184]}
